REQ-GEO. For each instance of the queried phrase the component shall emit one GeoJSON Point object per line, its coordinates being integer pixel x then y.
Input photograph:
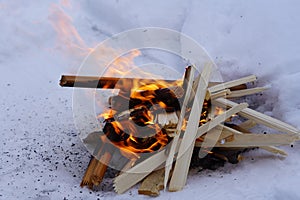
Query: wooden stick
{"type": "Point", "coordinates": [153, 183]}
{"type": "Point", "coordinates": [240, 93]}
{"type": "Point", "coordinates": [190, 72]}
{"type": "Point", "coordinates": [259, 117]}
{"type": "Point", "coordinates": [216, 95]}
{"type": "Point", "coordinates": [100, 169]}
{"type": "Point", "coordinates": [255, 140]}
{"type": "Point", "coordinates": [87, 178]}
{"type": "Point", "coordinates": [182, 164]}
{"type": "Point", "coordinates": [107, 82]}
{"type": "Point", "coordinates": [240, 130]}
{"type": "Point", "coordinates": [120, 83]}
{"type": "Point", "coordinates": [233, 83]}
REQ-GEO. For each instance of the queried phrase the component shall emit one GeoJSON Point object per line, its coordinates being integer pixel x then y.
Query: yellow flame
{"type": "Point", "coordinates": [219, 111]}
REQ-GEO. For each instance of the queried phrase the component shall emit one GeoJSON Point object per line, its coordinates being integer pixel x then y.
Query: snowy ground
{"type": "Point", "coordinates": [41, 155]}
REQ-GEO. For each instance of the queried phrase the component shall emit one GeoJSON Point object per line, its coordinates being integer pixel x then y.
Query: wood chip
{"type": "Point", "coordinates": [153, 183]}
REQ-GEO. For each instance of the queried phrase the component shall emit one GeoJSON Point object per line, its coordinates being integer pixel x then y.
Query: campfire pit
{"type": "Point", "coordinates": [175, 122]}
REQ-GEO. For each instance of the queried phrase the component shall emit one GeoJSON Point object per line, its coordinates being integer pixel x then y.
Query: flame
{"type": "Point", "coordinates": [107, 114]}
{"type": "Point", "coordinates": [66, 32]}
{"type": "Point", "coordinates": [219, 111]}
{"type": "Point", "coordinates": [65, 3]}
{"type": "Point", "coordinates": [137, 133]}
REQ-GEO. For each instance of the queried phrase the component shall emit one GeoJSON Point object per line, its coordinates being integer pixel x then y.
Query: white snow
{"type": "Point", "coordinates": [41, 155]}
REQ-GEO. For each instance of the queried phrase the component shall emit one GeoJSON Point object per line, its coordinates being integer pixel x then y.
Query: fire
{"type": "Point", "coordinates": [139, 133]}
{"type": "Point", "coordinates": [67, 34]}
{"type": "Point", "coordinates": [219, 111]}
{"type": "Point", "coordinates": [134, 129]}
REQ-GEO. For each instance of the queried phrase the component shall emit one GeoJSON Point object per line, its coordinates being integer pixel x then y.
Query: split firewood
{"type": "Point", "coordinates": [258, 140]}
{"type": "Point", "coordinates": [259, 117]}
{"type": "Point", "coordinates": [87, 178]}
{"type": "Point", "coordinates": [230, 84]}
{"type": "Point", "coordinates": [138, 172]}
{"type": "Point", "coordinates": [228, 141]}
{"type": "Point", "coordinates": [95, 171]}
{"type": "Point", "coordinates": [241, 130]}
{"type": "Point", "coordinates": [153, 183]}
{"type": "Point", "coordinates": [181, 171]}
{"type": "Point", "coordinates": [188, 79]}
{"type": "Point", "coordinates": [251, 140]}
{"type": "Point", "coordinates": [182, 164]}
{"type": "Point", "coordinates": [241, 93]}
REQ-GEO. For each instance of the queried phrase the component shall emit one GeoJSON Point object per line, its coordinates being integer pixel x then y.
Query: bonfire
{"type": "Point", "coordinates": [157, 129]}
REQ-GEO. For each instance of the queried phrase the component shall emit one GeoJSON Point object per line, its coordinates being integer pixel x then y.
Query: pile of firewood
{"type": "Point", "coordinates": [189, 123]}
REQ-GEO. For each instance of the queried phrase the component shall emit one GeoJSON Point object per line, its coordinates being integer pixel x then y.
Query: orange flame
{"type": "Point", "coordinates": [219, 111]}
{"type": "Point", "coordinates": [67, 34]}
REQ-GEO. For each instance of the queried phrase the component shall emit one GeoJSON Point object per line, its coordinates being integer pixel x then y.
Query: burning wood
{"type": "Point", "coordinates": [169, 112]}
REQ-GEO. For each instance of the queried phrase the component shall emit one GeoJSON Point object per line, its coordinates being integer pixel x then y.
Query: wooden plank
{"type": "Point", "coordinates": [188, 80]}
{"type": "Point", "coordinates": [153, 183]}
{"type": "Point", "coordinates": [240, 130]}
{"type": "Point", "coordinates": [241, 93]}
{"type": "Point", "coordinates": [182, 164]}
{"type": "Point", "coordinates": [233, 83]}
{"type": "Point", "coordinates": [259, 117]}
{"type": "Point", "coordinates": [255, 140]}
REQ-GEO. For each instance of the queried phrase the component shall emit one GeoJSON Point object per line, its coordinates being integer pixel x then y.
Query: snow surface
{"type": "Point", "coordinates": [41, 155]}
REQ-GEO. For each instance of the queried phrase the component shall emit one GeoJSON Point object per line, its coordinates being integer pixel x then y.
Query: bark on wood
{"type": "Point", "coordinates": [119, 83]}
{"type": "Point", "coordinates": [100, 169]}
{"type": "Point", "coordinates": [230, 84]}
{"type": "Point", "coordinates": [222, 93]}
{"type": "Point", "coordinates": [107, 82]}
{"type": "Point", "coordinates": [87, 178]}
